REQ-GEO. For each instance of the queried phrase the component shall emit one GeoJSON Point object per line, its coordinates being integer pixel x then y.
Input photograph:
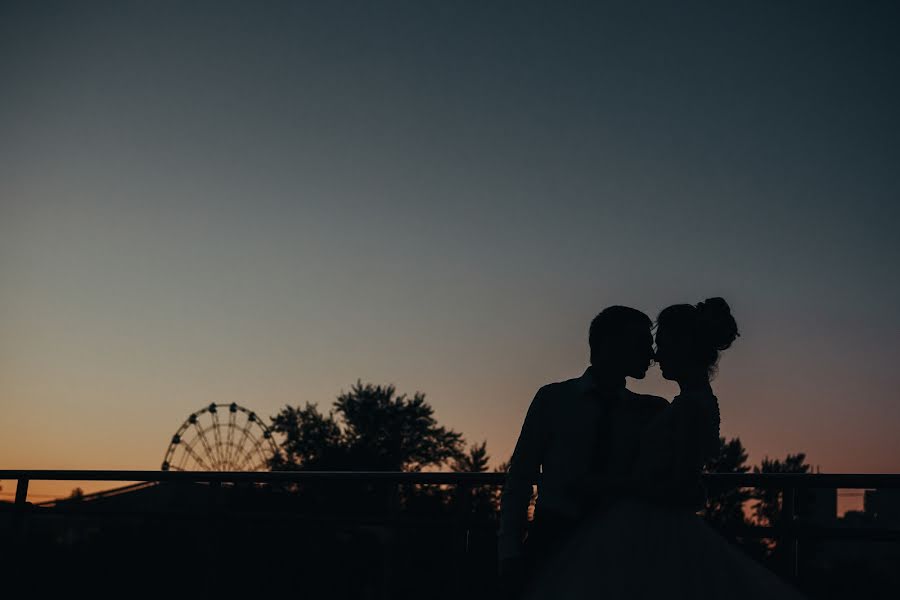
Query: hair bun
{"type": "Point", "coordinates": [716, 322]}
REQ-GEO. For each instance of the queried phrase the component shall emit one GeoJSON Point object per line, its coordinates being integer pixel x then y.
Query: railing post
{"type": "Point", "coordinates": [394, 500]}
{"type": "Point", "coordinates": [788, 523]}
{"type": "Point", "coordinates": [18, 520]}
{"type": "Point", "coordinates": [215, 536]}
{"type": "Point", "coordinates": [463, 520]}
{"type": "Point", "coordinates": [21, 493]}
{"type": "Point", "coordinates": [464, 510]}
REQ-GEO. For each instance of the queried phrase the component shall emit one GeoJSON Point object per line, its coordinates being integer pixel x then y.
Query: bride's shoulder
{"type": "Point", "coordinates": [697, 408]}
{"type": "Point", "coordinates": [695, 405]}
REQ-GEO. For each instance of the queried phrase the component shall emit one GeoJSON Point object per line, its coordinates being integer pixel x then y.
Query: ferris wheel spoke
{"type": "Point", "coordinates": [250, 465]}
{"type": "Point", "coordinates": [234, 453]}
{"type": "Point", "coordinates": [256, 450]}
{"type": "Point", "coordinates": [245, 460]}
{"type": "Point", "coordinates": [186, 456]}
{"type": "Point", "coordinates": [254, 446]}
{"type": "Point", "coordinates": [235, 434]}
{"type": "Point", "coordinates": [189, 451]}
{"type": "Point", "coordinates": [245, 435]}
{"type": "Point", "coordinates": [248, 457]}
{"type": "Point", "coordinates": [214, 447]}
{"type": "Point", "coordinates": [260, 466]}
{"type": "Point", "coordinates": [229, 439]}
{"type": "Point", "coordinates": [182, 460]}
{"type": "Point", "coordinates": [201, 435]}
{"type": "Point", "coordinates": [217, 439]}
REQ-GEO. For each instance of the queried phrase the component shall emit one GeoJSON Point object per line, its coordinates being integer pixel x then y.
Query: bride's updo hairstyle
{"type": "Point", "coordinates": [700, 332]}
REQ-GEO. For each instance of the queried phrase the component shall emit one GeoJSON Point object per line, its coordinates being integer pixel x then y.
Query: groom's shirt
{"type": "Point", "coordinates": [561, 442]}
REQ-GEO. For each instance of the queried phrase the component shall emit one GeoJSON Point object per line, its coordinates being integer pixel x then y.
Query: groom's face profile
{"type": "Point", "coordinates": [637, 351]}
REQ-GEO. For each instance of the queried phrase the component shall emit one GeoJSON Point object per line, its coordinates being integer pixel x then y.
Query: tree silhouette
{"type": "Point", "coordinates": [485, 499]}
{"type": "Point", "coordinates": [370, 428]}
{"type": "Point", "coordinates": [767, 510]}
{"type": "Point", "coordinates": [311, 441]}
{"type": "Point", "coordinates": [725, 508]}
{"type": "Point", "coordinates": [475, 460]}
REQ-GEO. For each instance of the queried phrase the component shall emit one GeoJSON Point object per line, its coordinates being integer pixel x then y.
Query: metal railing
{"type": "Point", "coordinates": [790, 529]}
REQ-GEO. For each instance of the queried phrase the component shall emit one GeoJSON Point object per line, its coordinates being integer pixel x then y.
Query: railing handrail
{"type": "Point", "coordinates": [734, 480]}
{"type": "Point", "coordinates": [788, 529]}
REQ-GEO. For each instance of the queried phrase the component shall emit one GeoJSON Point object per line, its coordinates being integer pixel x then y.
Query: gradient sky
{"type": "Point", "coordinates": [263, 202]}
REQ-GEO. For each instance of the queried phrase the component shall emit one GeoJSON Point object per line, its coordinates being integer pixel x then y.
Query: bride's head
{"type": "Point", "coordinates": [689, 338]}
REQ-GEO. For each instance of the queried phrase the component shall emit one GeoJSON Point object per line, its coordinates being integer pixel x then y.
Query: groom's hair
{"type": "Point", "coordinates": [612, 324]}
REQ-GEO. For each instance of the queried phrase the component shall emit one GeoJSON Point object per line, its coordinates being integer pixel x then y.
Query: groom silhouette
{"type": "Point", "coordinates": [574, 432]}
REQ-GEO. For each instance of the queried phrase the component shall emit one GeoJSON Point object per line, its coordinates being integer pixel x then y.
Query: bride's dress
{"type": "Point", "coordinates": [651, 544]}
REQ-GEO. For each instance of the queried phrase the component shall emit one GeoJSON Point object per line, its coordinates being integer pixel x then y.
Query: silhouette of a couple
{"type": "Point", "coordinates": [620, 483]}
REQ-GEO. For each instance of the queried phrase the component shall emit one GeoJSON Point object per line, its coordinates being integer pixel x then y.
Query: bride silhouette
{"type": "Point", "coordinates": [649, 542]}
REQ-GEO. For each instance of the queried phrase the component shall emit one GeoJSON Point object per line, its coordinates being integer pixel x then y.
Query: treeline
{"type": "Point", "coordinates": [373, 428]}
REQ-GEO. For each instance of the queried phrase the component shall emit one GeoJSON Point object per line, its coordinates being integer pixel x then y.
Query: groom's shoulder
{"type": "Point", "coordinates": [648, 400]}
{"type": "Point", "coordinates": [560, 388]}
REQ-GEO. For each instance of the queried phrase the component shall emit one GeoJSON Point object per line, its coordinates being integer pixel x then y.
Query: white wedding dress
{"type": "Point", "coordinates": [651, 544]}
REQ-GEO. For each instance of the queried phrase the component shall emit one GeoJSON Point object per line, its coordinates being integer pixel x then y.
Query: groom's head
{"type": "Point", "coordinates": [621, 341]}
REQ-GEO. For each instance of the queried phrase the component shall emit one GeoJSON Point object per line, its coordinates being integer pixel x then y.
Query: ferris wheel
{"type": "Point", "coordinates": [207, 442]}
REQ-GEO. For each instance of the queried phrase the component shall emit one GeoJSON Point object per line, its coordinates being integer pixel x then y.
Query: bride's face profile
{"type": "Point", "coordinates": [669, 356]}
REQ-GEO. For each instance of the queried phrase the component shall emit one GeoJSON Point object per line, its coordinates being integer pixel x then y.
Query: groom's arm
{"type": "Point", "coordinates": [524, 468]}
